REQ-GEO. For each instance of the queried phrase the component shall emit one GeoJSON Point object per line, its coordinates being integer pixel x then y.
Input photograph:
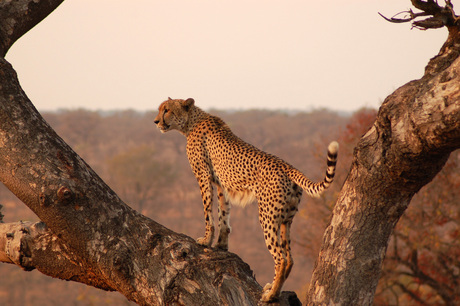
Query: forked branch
{"type": "Point", "coordinates": [437, 16]}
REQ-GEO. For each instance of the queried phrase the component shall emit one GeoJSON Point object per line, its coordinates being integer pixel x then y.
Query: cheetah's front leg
{"type": "Point", "coordinates": [206, 194]}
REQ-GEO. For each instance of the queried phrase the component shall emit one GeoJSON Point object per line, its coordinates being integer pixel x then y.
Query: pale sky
{"type": "Point", "coordinates": [303, 55]}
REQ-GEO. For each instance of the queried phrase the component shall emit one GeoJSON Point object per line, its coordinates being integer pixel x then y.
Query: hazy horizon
{"type": "Point", "coordinates": [225, 54]}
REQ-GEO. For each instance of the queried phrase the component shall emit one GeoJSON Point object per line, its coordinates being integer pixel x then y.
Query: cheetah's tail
{"type": "Point", "coordinates": [315, 189]}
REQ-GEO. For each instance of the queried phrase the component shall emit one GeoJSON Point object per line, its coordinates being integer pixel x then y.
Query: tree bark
{"type": "Point", "coordinates": [33, 246]}
{"type": "Point", "coordinates": [88, 234]}
{"type": "Point", "coordinates": [416, 129]}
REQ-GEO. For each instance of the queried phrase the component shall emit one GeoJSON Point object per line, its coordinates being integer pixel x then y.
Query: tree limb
{"type": "Point", "coordinates": [411, 17]}
{"type": "Point", "coordinates": [19, 16]}
{"type": "Point", "coordinates": [30, 245]}
{"type": "Point", "coordinates": [440, 16]}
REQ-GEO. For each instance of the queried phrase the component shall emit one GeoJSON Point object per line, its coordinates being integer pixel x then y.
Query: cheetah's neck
{"type": "Point", "coordinates": [195, 116]}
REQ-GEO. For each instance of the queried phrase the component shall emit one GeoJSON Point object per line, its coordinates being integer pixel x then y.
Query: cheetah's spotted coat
{"type": "Point", "coordinates": [242, 174]}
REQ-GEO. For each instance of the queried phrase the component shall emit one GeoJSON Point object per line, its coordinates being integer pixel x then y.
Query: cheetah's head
{"type": "Point", "coordinates": [173, 114]}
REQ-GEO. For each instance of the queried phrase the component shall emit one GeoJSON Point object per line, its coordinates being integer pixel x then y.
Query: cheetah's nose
{"type": "Point", "coordinates": [156, 121]}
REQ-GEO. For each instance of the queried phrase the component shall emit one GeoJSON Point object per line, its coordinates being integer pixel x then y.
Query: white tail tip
{"type": "Point", "coordinates": [333, 147]}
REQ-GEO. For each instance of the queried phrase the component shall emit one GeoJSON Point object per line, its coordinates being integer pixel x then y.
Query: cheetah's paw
{"type": "Point", "coordinates": [205, 241]}
{"type": "Point", "coordinates": [268, 297]}
{"type": "Point", "coordinates": [267, 287]}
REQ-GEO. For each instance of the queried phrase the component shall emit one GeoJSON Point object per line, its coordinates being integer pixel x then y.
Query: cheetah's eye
{"type": "Point", "coordinates": [166, 110]}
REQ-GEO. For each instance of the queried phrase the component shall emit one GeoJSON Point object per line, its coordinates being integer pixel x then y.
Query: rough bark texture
{"type": "Point", "coordinates": [32, 246]}
{"type": "Point", "coordinates": [88, 234]}
{"type": "Point", "coordinates": [417, 128]}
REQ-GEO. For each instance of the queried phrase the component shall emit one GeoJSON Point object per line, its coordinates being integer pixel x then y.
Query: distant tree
{"type": "Point", "coordinates": [138, 177]}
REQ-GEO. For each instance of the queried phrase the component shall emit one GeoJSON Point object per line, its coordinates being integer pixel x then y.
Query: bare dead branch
{"type": "Point", "coordinates": [411, 17]}
{"type": "Point", "coordinates": [426, 6]}
{"type": "Point", "coordinates": [439, 16]}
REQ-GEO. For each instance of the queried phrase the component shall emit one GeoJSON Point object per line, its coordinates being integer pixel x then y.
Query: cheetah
{"type": "Point", "coordinates": [242, 174]}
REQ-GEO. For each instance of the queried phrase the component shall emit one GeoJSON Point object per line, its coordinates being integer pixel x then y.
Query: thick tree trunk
{"type": "Point", "coordinates": [416, 129]}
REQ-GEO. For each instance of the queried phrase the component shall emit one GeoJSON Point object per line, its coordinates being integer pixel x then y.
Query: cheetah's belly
{"type": "Point", "coordinates": [240, 197]}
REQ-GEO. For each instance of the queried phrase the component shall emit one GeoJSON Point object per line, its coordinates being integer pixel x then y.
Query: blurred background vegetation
{"type": "Point", "coordinates": [150, 171]}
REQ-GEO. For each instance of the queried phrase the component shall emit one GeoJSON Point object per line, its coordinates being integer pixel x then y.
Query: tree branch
{"type": "Point", "coordinates": [411, 17]}
{"type": "Point", "coordinates": [19, 16]}
{"type": "Point", "coordinates": [440, 16]}
{"type": "Point", "coordinates": [32, 246]}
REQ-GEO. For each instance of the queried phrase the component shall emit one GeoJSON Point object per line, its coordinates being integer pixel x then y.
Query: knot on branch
{"type": "Point", "coordinates": [180, 252]}
{"type": "Point", "coordinates": [65, 195]}
{"type": "Point", "coordinates": [432, 15]}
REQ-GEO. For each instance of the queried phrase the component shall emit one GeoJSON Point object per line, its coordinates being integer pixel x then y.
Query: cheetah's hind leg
{"type": "Point", "coordinates": [271, 226]}
{"type": "Point", "coordinates": [206, 193]}
{"type": "Point", "coordinates": [224, 220]}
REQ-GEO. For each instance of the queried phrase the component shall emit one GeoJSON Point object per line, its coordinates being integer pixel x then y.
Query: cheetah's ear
{"type": "Point", "coordinates": [169, 98]}
{"type": "Point", "coordinates": [189, 103]}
